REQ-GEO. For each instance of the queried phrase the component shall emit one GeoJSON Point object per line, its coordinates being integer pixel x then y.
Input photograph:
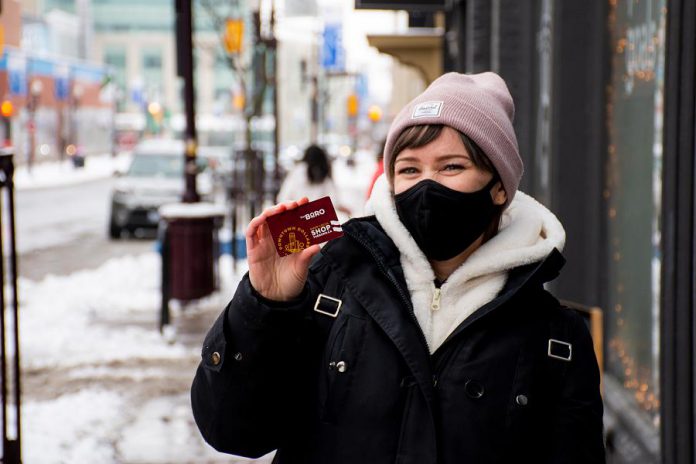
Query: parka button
{"type": "Point", "coordinates": [522, 400]}
{"type": "Point", "coordinates": [238, 357]}
{"type": "Point", "coordinates": [341, 366]}
{"type": "Point", "coordinates": [215, 358]}
{"type": "Point", "coordinates": [473, 389]}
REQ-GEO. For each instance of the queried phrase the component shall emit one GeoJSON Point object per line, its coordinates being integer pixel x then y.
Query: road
{"type": "Point", "coordinates": [63, 229]}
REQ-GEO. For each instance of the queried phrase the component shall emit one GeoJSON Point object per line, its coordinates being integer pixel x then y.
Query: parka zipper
{"type": "Point", "coordinates": [391, 278]}
{"type": "Point", "coordinates": [435, 305]}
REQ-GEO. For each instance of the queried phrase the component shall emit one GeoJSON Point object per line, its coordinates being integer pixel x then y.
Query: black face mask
{"type": "Point", "coordinates": [442, 221]}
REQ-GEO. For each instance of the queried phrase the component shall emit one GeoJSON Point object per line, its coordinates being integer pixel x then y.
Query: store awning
{"type": "Point", "coordinates": [421, 50]}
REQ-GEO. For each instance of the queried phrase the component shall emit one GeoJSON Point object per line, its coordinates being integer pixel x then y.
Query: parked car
{"type": "Point", "coordinates": [155, 177]}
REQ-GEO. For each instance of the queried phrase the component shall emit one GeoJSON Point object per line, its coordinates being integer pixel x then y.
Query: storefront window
{"type": "Point", "coordinates": [633, 192]}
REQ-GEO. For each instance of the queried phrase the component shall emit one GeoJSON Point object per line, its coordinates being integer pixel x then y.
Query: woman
{"type": "Point", "coordinates": [424, 335]}
{"type": "Point", "coordinates": [311, 178]}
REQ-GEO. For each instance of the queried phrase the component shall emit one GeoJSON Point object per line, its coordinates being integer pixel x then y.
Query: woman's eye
{"type": "Point", "coordinates": [453, 167]}
{"type": "Point", "coordinates": [408, 170]}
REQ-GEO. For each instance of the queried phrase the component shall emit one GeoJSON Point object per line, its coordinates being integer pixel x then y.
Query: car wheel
{"type": "Point", "coordinates": [114, 230]}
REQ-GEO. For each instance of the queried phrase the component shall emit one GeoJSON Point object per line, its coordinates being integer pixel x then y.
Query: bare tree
{"type": "Point", "coordinates": [242, 64]}
{"type": "Point", "coordinates": [250, 70]}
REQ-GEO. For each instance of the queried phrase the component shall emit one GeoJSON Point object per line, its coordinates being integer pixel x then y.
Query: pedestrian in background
{"type": "Point", "coordinates": [424, 335]}
{"type": "Point", "coordinates": [312, 178]}
{"type": "Point", "coordinates": [379, 168]}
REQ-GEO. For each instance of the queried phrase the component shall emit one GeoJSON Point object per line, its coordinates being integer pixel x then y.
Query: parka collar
{"type": "Point", "coordinates": [368, 234]}
{"type": "Point", "coordinates": [382, 248]}
{"type": "Point", "coordinates": [519, 279]}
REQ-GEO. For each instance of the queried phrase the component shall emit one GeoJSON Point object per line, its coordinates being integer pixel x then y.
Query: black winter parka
{"type": "Point", "coordinates": [517, 381]}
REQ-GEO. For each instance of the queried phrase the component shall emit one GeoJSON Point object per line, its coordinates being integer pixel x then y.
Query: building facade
{"type": "Point", "coordinates": [604, 96]}
{"type": "Point", "coordinates": [60, 105]}
{"type": "Point", "coordinates": [605, 102]}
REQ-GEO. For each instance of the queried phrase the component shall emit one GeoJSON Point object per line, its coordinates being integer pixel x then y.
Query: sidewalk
{"type": "Point", "coordinates": [100, 383]}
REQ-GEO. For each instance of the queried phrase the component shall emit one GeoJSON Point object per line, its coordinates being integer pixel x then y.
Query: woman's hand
{"type": "Point", "coordinates": [274, 277]}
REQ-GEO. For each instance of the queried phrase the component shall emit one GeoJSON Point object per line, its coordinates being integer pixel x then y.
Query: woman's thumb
{"type": "Point", "coordinates": [307, 254]}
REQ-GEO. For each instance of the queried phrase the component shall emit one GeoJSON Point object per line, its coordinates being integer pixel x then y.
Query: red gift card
{"type": "Point", "coordinates": [309, 224]}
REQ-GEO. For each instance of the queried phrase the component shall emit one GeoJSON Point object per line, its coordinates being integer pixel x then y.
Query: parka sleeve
{"type": "Point", "coordinates": [577, 428]}
{"type": "Point", "coordinates": [256, 371]}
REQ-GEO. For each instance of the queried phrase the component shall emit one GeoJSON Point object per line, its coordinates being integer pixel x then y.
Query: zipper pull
{"type": "Point", "coordinates": [435, 305]}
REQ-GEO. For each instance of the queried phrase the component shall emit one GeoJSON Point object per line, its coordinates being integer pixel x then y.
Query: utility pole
{"type": "Point", "coordinates": [184, 42]}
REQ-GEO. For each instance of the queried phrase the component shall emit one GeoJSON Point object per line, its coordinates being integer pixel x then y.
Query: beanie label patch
{"type": "Point", "coordinates": [427, 109]}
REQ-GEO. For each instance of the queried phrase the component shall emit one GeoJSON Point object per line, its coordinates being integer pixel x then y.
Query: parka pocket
{"type": "Point", "coordinates": [341, 362]}
{"type": "Point", "coordinates": [409, 388]}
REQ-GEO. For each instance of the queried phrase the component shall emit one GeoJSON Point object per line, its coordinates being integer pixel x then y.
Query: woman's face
{"type": "Point", "coordinates": [444, 160]}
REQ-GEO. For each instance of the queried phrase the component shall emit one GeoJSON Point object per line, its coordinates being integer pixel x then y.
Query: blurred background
{"type": "Point", "coordinates": [139, 138]}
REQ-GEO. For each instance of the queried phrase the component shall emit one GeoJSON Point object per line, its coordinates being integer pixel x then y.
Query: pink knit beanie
{"type": "Point", "coordinates": [478, 105]}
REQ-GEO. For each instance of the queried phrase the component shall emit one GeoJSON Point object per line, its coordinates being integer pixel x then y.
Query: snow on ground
{"type": "Point", "coordinates": [101, 385]}
{"type": "Point", "coordinates": [72, 428]}
{"type": "Point", "coordinates": [87, 304]}
{"type": "Point", "coordinates": [58, 174]}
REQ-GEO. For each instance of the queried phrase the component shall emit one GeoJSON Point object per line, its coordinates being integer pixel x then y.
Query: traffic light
{"type": "Point", "coordinates": [238, 101]}
{"type": "Point", "coordinates": [234, 33]}
{"type": "Point", "coordinates": [374, 112]}
{"type": "Point", "coordinates": [7, 109]}
{"type": "Point", "coordinates": [352, 105]}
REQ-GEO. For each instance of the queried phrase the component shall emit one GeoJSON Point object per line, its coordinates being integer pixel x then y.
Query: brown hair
{"type": "Point", "coordinates": [419, 136]}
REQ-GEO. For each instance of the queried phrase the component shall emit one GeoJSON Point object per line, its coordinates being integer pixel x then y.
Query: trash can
{"type": "Point", "coordinates": [190, 249]}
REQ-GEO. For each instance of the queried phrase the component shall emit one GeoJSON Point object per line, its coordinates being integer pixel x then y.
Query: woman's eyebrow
{"type": "Point", "coordinates": [439, 158]}
{"type": "Point", "coordinates": [452, 156]}
{"type": "Point", "coordinates": [407, 158]}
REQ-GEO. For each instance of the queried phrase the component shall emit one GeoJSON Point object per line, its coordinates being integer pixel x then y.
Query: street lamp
{"type": "Point", "coordinates": [72, 148]}
{"type": "Point", "coordinates": [34, 95]}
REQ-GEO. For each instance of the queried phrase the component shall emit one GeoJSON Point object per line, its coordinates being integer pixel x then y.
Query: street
{"type": "Point", "coordinates": [64, 229]}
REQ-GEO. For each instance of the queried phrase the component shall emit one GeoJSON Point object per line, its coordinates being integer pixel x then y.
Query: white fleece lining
{"type": "Point", "coordinates": [527, 234]}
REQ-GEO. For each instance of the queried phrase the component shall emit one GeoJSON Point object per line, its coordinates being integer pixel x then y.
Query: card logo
{"type": "Point", "coordinates": [427, 109]}
{"type": "Point", "coordinates": [313, 214]}
{"type": "Point", "coordinates": [293, 239]}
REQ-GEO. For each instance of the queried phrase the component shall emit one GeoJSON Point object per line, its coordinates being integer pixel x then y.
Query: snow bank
{"type": "Point", "coordinates": [68, 321]}
{"type": "Point", "coordinates": [71, 428]}
{"type": "Point", "coordinates": [58, 174]}
{"type": "Point", "coordinates": [101, 384]}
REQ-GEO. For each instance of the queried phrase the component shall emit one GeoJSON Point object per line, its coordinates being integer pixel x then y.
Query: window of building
{"type": "Point", "coordinates": [132, 15]}
{"type": "Point", "coordinates": [152, 71]}
{"type": "Point", "coordinates": [633, 192]}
